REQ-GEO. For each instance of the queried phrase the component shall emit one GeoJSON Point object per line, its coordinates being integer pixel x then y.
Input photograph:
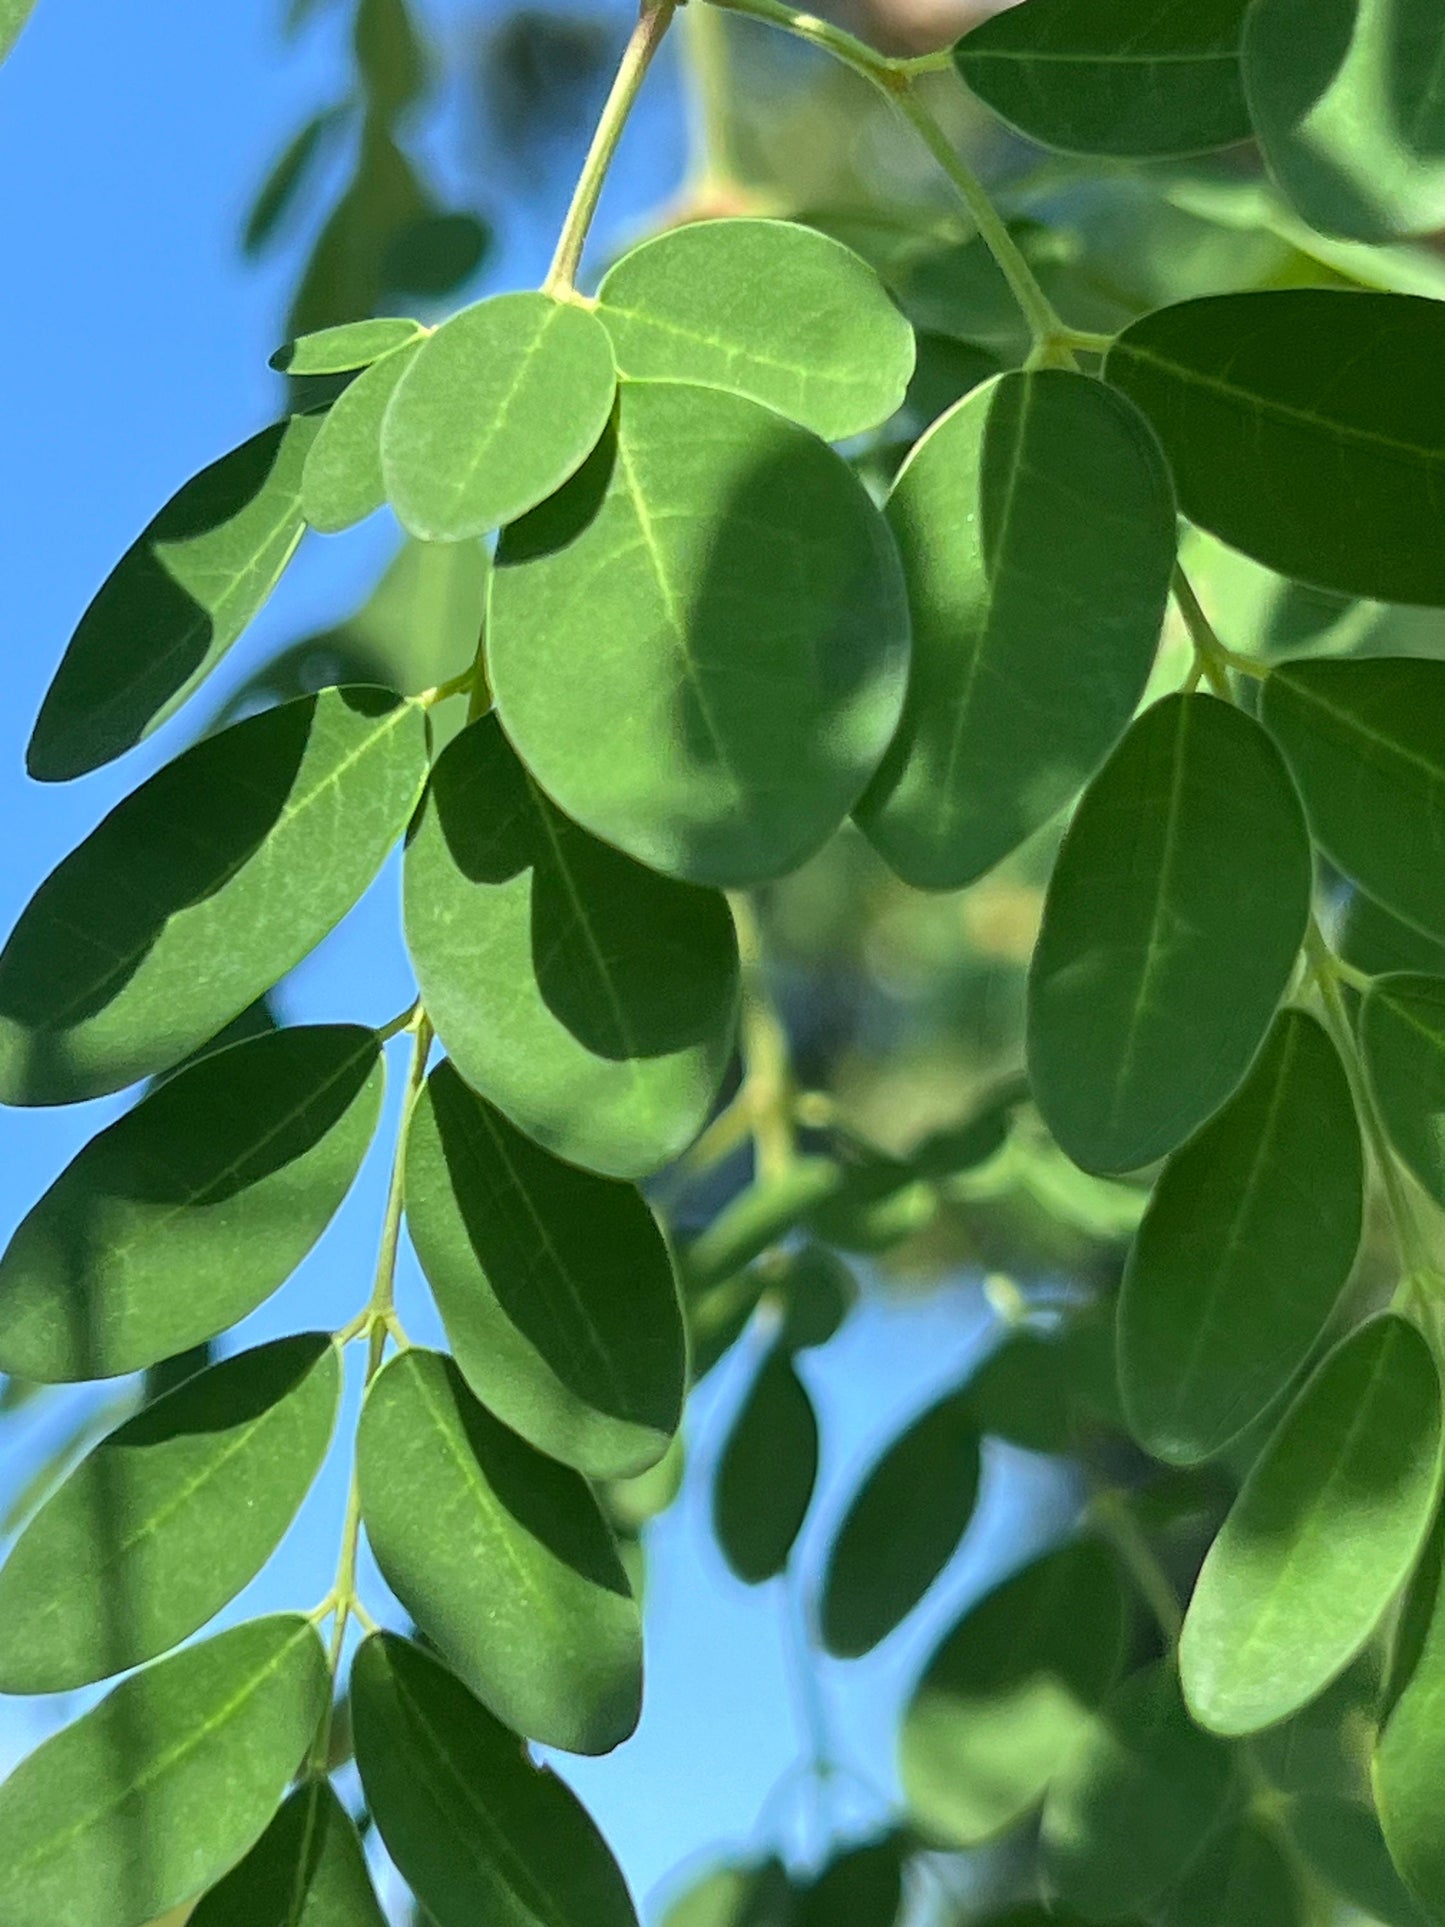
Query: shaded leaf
{"type": "Point", "coordinates": [307, 1870]}
{"type": "Point", "coordinates": [759, 1895]}
{"type": "Point", "coordinates": [1374, 940]}
{"type": "Point", "coordinates": [1243, 1879]}
{"type": "Point", "coordinates": [1342, 1842]}
{"type": "Point", "coordinates": [817, 1291]}
{"type": "Point", "coordinates": [860, 1888]}
{"type": "Point", "coordinates": [767, 1471]}
{"type": "Point", "coordinates": [278, 192]}
{"type": "Point", "coordinates": [1402, 1031]}
{"type": "Point", "coordinates": [436, 254]}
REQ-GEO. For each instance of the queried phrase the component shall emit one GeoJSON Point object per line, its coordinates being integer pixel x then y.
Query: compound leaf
{"type": "Point", "coordinates": [308, 1869]}
{"type": "Point", "coordinates": [766, 1475]}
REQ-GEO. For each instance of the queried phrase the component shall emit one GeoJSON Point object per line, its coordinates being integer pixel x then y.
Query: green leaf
{"type": "Point", "coordinates": [201, 890]}
{"type": "Point", "coordinates": [1031, 1390]}
{"type": "Point", "coordinates": [1377, 942]}
{"type": "Point", "coordinates": [1243, 1879]}
{"type": "Point", "coordinates": [1036, 526]}
{"type": "Point", "coordinates": [390, 56]}
{"type": "Point", "coordinates": [555, 1286]}
{"type": "Point", "coordinates": [718, 1314]}
{"type": "Point", "coordinates": [1323, 1749]}
{"type": "Point", "coordinates": [1266, 402]}
{"type": "Point", "coordinates": [435, 254]}
{"type": "Point", "coordinates": [307, 1870]}
{"type": "Point", "coordinates": [758, 1218]}
{"type": "Point", "coordinates": [767, 1471]}
{"type": "Point", "coordinates": [1322, 1537]}
{"type": "Point", "coordinates": [1112, 76]}
{"type": "Point", "coordinates": [827, 348]}
{"type": "Point", "coordinates": [13, 15]}
{"type": "Point", "coordinates": [342, 483]}
{"type": "Point", "coordinates": [751, 1896]}
{"type": "Point", "coordinates": [590, 999]}
{"type": "Point", "coordinates": [153, 1794]}
{"type": "Point", "coordinates": [1410, 1756]}
{"type": "Point", "coordinates": [1342, 1842]}
{"type": "Point", "coordinates": [168, 1518]}
{"type": "Point", "coordinates": [502, 1558]}
{"type": "Point", "coordinates": [817, 1291]}
{"type": "Point", "coordinates": [1187, 866]}
{"type": "Point", "coordinates": [717, 585]}
{"type": "Point", "coordinates": [352, 344]}
{"type": "Point", "coordinates": [1348, 102]}
{"type": "Point", "coordinates": [1011, 1686]}
{"type": "Point", "coordinates": [1402, 1031]}
{"type": "Point", "coordinates": [419, 626]}
{"type": "Point", "coordinates": [479, 1833]}
{"type": "Point", "coordinates": [860, 1888]}
{"type": "Point", "coordinates": [901, 1528]}
{"type": "Point", "coordinates": [504, 402]}
{"type": "Point", "coordinates": [279, 190]}
{"type": "Point", "coordinates": [1134, 1800]}
{"type": "Point", "coordinates": [1365, 742]}
{"type": "Point", "coordinates": [182, 1216]}
{"type": "Point", "coordinates": [174, 604]}
{"type": "Point", "coordinates": [1247, 1244]}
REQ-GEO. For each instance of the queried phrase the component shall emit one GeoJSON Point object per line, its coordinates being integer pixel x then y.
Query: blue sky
{"type": "Point", "coordinates": [133, 350]}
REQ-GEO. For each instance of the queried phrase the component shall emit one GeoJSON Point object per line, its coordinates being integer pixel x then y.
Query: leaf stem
{"type": "Point", "coordinates": [768, 1089]}
{"type": "Point", "coordinates": [647, 36]}
{"type": "Point", "coordinates": [1111, 1514]}
{"type": "Point", "coordinates": [712, 173]}
{"type": "Point", "coordinates": [1210, 653]}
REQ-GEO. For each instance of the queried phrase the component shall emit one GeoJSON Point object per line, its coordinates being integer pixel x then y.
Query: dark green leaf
{"type": "Point", "coordinates": [342, 481]}
{"type": "Point", "coordinates": [718, 586]}
{"type": "Point", "coordinates": [502, 1558]}
{"type": "Point", "coordinates": [1322, 1537]}
{"type": "Point", "coordinates": [342, 279]}
{"type": "Point", "coordinates": [1112, 77]}
{"type": "Point", "coordinates": [901, 1528]}
{"type": "Point", "coordinates": [1342, 1842]}
{"type": "Point", "coordinates": [879, 1202]}
{"type": "Point", "coordinates": [1324, 1748]}
{"type": "Point", "coordinates": [281, 186]}
{"type": "Point", "coordinates": [502, 404]}
{"type": "Point", "coordinates": [479, 1833]}
{"type": "Point", "coordinates": [1187, 867]}
{"type": "Point", "coordinates": [1135, 1798]}
{"type": "Point", "coordinates": [1033, 1390]}
{"type": "Point", "coordinates": [1402, 1030]}
{"type": "Point", "coordinates": [181, 1217]}
{"type": "Point", "coordinates": [1365, 742]}
{"type": "Point", "coordinates": [1248, 1241]}
{"type": "Point", "coordinates": [168, 1518]}
{"type": "Point", "coordinates": [201, 890]}
{"type": "Point", "coordinates": [1348, 100]}
{"type": "Point", "coordinates": [767, 1471]}
{"type": "Point", "coordinates": [1036, 526]}
{"type": "Point", "coordinates": [1409, 1762]}
{"type": "Point", "coordinates": [1009, 1689]}
{"type": "Point", "coordinates": [307, 1870]}
{"type": "Point", "coordinates": [861, 1888]}
{"type": "Point", "coordinates": [352, 344]}
{"type": "Point", "coordinates": [1306, 427]}
{"type": "Point", "coordinates": [555, 1286]}
{"type": "Point", "coordinates": [435, 255]}
{"type": "Point", "coordinates": [1374, 940]}
{"type": "Point", "coordinates": [592, 1000]}
{"type": "Point", "coordinates": [1243, 1879]}
{"type": "Point", "coordinates": [827, 347]}
{"type": "Point", "coordinates": [389, 54]}
{"type": "Point", "coordinates": [158, 1790]}
{"type": "Point", "coordinates": [174, 603]}
{"type": "Point", "coordinates": [817, 1291]}
{"type": "Point", "coordinates": [717, 1316]}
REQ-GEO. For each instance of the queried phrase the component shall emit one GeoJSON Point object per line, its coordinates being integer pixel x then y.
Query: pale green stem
{"type": "Point", "coordinates": [708, 70]}
{"type": "Point", "coordinates": [1114, 1519]}
{"type": "Point", "coordinates": [768, 1089]}
{"type": "Point", "coordinates": [647, 37]}
{"type": "Point", "coordinates": [1215, 657]}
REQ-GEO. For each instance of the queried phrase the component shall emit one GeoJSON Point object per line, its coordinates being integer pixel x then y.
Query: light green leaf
{"type": "Point", "coordinates": [767, 1471]}
{"type": "Point", "coordinates": [168, 1518]}
{"type": "Point", "coordinates": [1410, 1756]}
{"type": "Point", "coordinates": [182, 1216]}
{"type": "Point", "coordinates": [13, 15]}
{"type": "Point", "coordinates": [1374, 940]}
{"type": "Point", "coordinates": [590, 999]}
{"type": "Point", "coordinates": [1243, 1879]}
{"type": "Point", "coordinates": [1365, 742]}
{"type": "Point", "coordinates": [1246, 1246]}
{"type": "Point", "coordinates": [758, 1895]}
{"type": "Point", "coordinates": [148, 1798]}
{"type": "Point", "coordinates": [421, 622]}
{"type": "Point", "coordinates": [502, 1558]}
{"type": "Point", "coordinates": [1036, 526]}
{"type": "Point", "coordinates": [201, 890]}
{"type": "Point", "coordinates": [352, 344]}
{"type": "Point", "coordinates": [1266, 402]}
{"type": "Point", "coordinates": [342, 482]}
{"type": "Point", "coordinates": [505, 401]}
{"type": "Point", "coordinates": [479, 1833]}
{"type": "Point", "coordinates": [1402, 1031]}
{"type": "Point", "coordinates": [555, 1286]}
{"type": "Point", "coordinates": [901, 1528]}
{"type": "Point", "coordinates": [1010, 1687]}
{"type": "Point", "coordinates": [1112, 77]}
{"type": "Point", "coordinates": [1342, 1842]}
{"type": "Point", "coordinates": [717, 585]}
{"type": "Point", "coordinates": [307, 1870]}
{"type": "Point", "coordinates": [1348, 102]}
{"type": "Point", "coordinates": [1187, 866]}
{"type": "Point", "coordinates": [827, 348]}
{"type": "Point", "coordinates": [1135, 1798]}
{"type": "Point", "coordinates": [1322, 1537]}
{"type": "Point", "coordinates": [174, 604]}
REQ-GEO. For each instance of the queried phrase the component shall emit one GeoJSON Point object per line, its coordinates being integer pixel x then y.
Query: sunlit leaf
{"type": "Point", "coordinates": [342, 480]}
{"type": "Point", "coordinates": [308, 1869]}
{"type": "Point", "coordinates": [352, 344]}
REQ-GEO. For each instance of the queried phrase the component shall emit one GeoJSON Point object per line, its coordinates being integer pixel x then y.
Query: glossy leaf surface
{"type": "Point", "coordinates": [186, 1213]}
{"type": "Point", "coordinates": [342, 480]}
{"type": "Point", "coordinates": [590, 999]}
{"type": "Point", "coordinates": [502, 1558]}
{"type": "Point", "coordinates": [828, 348]}
{"type": "Point", "coordinates": [201, 890]}
{"type": "Point", "coordinates": [308, 1869]}
{"type": "Point", "coordinates": [766, 1475]}
{"type": "Point", "coordinates": [168, 1518]}
{"type": "Point", "coordinates": [174, 603]}
{"type": "Point", "coordinates": [503, 403]}
{"type": "Point", "coordinates": [1187, 865]}
{"type": "Point", "coordinates": [1246, 1246]}
{"type": "Point", "coordinates": [716, 584]}
{"type": "Point", "coordinates": [1266, 401]}
{"type": "Point", "coordinates": [478, 1832]}
{"type": "Point", "coordinates": [153, 1794]}
{"type": "Point", "coordinates": [1322, 1537]}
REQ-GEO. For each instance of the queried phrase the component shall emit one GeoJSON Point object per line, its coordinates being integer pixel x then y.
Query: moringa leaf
{"type": "Point", "coordinates": [201, 890]}
{"type": "Point", "coordinates": [351, 344]}
{"type": "Point", "coordinates": [1342, 1841]}
{"type": "Point", "coordinates": [765, 1477]}
{"type": "Point", "coordinates": [862, 1887]}
{"type": "Point", "coordinates": [13, 15]}
{"type": "Point", "coordinates": [1376, 941]}
{"type": "Point", "coordinates": [1402, 1033]}
{"type": "Point", "coordinates": [1244, 1878]}
{"type": "Point", "coordinates": [342, 483]}
{"type": "Point", "coordinates": [308, 1869]}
